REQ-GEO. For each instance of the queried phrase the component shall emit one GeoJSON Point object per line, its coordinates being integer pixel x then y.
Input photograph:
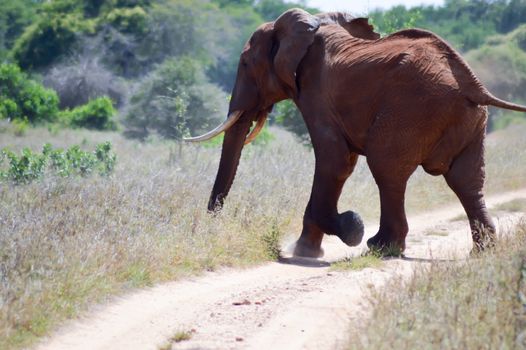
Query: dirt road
{"type": "Point", "coordinates": [294, 304]}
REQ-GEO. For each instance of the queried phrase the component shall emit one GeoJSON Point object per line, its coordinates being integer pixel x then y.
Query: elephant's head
{"type": "Point", "coordinates": [266, 74]}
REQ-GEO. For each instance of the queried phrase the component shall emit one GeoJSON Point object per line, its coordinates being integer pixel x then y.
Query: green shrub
{"type": "Point", "coordinates": [20, 126]}
{"type": "Point", "coordinates": [106, 158]}
{"type": "Point", "coordinates": [31, 166]}
{"type": "Point", "coordinates": [24, 168]}
{"type": "Point", "coordinates": [22, 98]}
{"type": "Point", "coordinates": [129, 20]}
{"type": "Point", "coordinates": [96, 114]}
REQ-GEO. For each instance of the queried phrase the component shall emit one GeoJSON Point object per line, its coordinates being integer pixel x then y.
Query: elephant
{"type": "Point", "coordinates": [403, 100]}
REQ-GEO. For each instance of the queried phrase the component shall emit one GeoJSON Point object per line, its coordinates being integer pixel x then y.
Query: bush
{"type": "Point", "coordinates": [129, 20]}
{"type": "Point", "coordinates": [96, 114]}
{"type": "Point", "coordinates": [47, 39]}
{"type": "Point", "coordinates": [20, 126]}
{"type": "Point", "coordinates": [24, 169]}
{"type": "Point", "coordinates": [22, 98]}
{"type": "Point", "coordinates": [30, 166]}
{"type": "Point", "coordinates": [175, 99]}
{"type": "Point", "coordinates": [84, 78]}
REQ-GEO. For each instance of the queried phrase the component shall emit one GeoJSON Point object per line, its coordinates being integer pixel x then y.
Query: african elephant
{"type": "Point", "coordinates": [404, 100]}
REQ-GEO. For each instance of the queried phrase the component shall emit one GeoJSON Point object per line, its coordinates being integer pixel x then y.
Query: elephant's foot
{"type": "Point", "coordinates": [352, 228]}
{"type": "Point", "coordinates": [307, 250]}
{"type": "Point", "coordinates": [483, 242]}
{"type": "Point", "coordinates": [385, 246]}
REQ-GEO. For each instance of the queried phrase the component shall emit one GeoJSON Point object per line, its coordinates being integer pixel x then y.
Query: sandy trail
{"type": "Point", "coordinates": [295, 304]}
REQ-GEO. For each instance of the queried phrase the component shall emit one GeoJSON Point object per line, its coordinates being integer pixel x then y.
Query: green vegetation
{"type": "Point", "coordinates": [24, 99]}
{"type": "Point", "coordinates": [475, 304]}
{"type": "Point", "coordinates": [90, 49]}
{"type": "Point", "coordinates": [96, 114]}
{"type": "Point", "coordinates": [165, 101]}
{"type": "Point", "coordinates": [31, 166]}
{"type": "Point", "coordinates": [365, 260]}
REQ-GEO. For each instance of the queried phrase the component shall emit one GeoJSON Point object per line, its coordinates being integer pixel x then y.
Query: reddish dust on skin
{"type": "Point", "coordinates": [295, 304]}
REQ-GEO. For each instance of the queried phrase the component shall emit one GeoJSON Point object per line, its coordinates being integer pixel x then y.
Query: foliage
{"type": "Point", "coordinates": [61, 22]}
{"type": "Point", "coordinates": [30, 166]}
{"type": "Point", "coordinates": [15, 16]}
{"type": "Point", "coordinates": [239, 24]}
{"type": "Point", "coordinates": [128, 20]}
{"type": "Point", "coordinates": [272, 242]}
{"type": "Point", "coordinates": [23, 98]}
{"type": "Point", "coordinates": [396, 18]}
{"type": "Point", "coordinates": [466, 24]}
{"type": "Point", "coordinates": [45, 40]}
{"type": "Point", "coordinates": [96, 114]}
{"type": "Point", "coordinates": [26, 168]}
{"type": "Point", "coordinates": [85, 49]}
{"type": "Point", "coordinates": [174, 100]}
{"type": "Point", "coordinates": [287, 115]}
{"type": "Point", "coordinates": [269, 10]}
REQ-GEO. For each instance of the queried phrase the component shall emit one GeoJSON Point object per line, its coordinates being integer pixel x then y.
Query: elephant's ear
{"type": "Point", "coordinates": [360, 28]}
{"type": "Point", "coordinates": [295, 30]}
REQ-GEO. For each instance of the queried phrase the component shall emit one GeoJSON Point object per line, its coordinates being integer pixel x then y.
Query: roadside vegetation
{"type": "Point", "coordinates": [478, 303]}
{"type": "Point", "coordinates": [365, 260]}
{"type": "Point", "coordinates": [68, 241]}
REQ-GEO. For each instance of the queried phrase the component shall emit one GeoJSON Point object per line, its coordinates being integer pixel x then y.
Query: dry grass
{"type": "Point", "coordinates": [178, 337]}
{"type": "Point", "coordinates": [517, 205]}
{"type": "Point", "coordinates": [476, 304]}
{"type": "Point", "coordinates": [66, 243]}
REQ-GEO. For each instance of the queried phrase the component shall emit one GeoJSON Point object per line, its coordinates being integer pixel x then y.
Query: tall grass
{"type": "Point", "coordinates": [476, 304]}
{"type": "Point", "coordinates": [66, 243]}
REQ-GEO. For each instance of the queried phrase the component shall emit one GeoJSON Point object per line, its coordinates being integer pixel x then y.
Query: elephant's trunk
{"type": "Point", "coordinates": [233, 143]}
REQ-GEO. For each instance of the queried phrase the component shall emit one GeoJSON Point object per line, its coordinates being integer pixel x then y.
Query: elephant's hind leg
{"type": "Point", "coordinates": [466, 179]}
{"type": "Point", "coordinates": [391, 176]}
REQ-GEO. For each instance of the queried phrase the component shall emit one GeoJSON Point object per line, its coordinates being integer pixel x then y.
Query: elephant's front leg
{"type": "Point", "coordinates": [321, 215]}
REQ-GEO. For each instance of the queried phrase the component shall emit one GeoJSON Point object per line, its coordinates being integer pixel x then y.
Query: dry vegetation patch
{"type": "Point", "coordinates": [475, 304]}
{"type": "Point", "coordinates": [69, 242]}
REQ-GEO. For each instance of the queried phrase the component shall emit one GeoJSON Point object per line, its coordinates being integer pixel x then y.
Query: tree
{"type": "Point", "coordinates": [15, 16]}
{"type": "Point", "coordinates": [174, 100]}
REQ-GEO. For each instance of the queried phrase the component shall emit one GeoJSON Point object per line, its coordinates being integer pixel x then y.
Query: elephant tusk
{"type": "Point", "coordinates": [257, 129]}
{"type": "Point", "coordinates": [232, 118]}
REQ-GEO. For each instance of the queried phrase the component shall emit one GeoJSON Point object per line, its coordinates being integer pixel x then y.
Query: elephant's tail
{"type": "Point", "coordinates": [472, 87]}
{"type": "Point", "coordinates": [497, 102]}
